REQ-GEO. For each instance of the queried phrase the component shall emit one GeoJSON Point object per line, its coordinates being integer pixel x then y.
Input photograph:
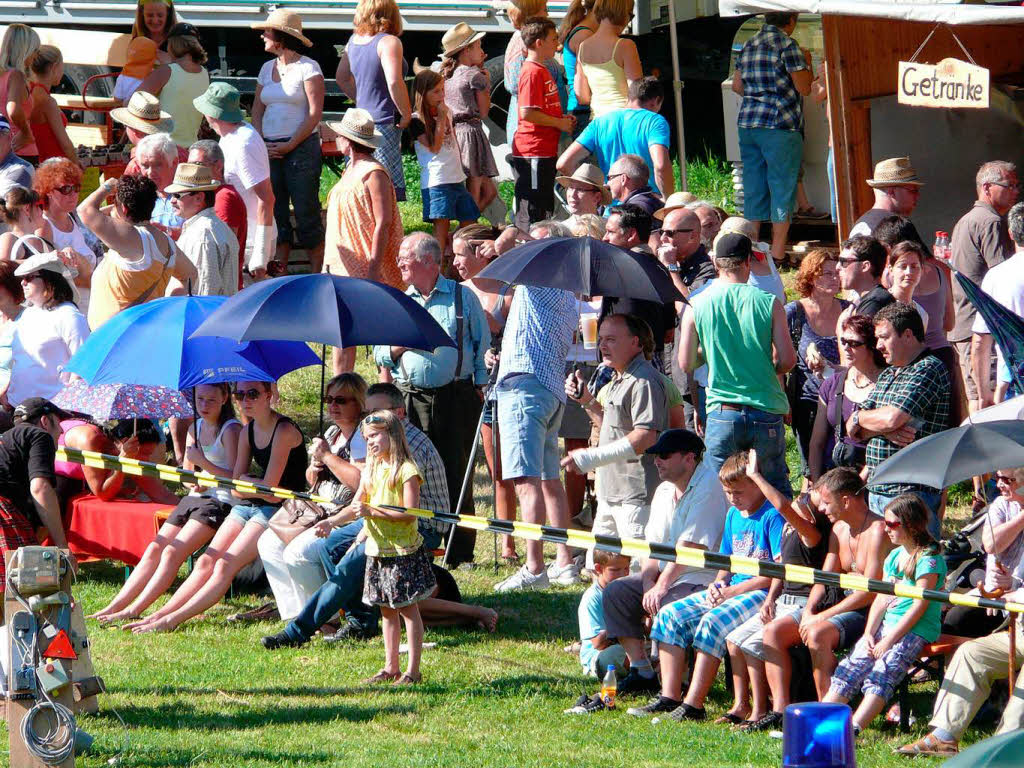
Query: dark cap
{"type": "Point", "coordinates": [678, 441]}
{"type": "Point", "coordinates": [34, 407]}
{"type": "Point", "coordinates": [733, 246]}
{"type": "Point", "coordinates": [183, 29]}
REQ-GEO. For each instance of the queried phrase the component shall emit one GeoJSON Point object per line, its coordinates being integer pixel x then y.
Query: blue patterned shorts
{"type": "Point", "coordinates": [690, 621]}
{"type": "Point", "coordinates": [861, 671]}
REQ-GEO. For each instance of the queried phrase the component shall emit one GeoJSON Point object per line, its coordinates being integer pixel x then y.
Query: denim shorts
{"type": "Point", "coordinates": [851, 626]}
{"type": "Point", "coordinates": [771, 163]}
{"type": "Point", "coordinates": [877, 502]}
{"type": "Point", "coordinates": [244, 513]}
{"type": "Point", "coordinates": [728, 431]}
{"type": "Point", "coordinates": [449, 201]}
{"type": "Point", "coordinates": [529, 416]}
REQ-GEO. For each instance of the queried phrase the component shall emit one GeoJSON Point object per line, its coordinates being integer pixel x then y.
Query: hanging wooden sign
{"type": "Point", "coordinates": [950, 83]}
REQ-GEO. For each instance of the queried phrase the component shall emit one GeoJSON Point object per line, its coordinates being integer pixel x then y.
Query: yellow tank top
{"type": "Point", "coordinates": [608, 86]}
{"type": "Point", "coordinates": [119, 283]}
{"type": "Point", "coordinates": [176, 99]}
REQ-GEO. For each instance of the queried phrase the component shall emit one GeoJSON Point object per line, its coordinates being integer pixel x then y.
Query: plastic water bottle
{"type": "Point", "coordinates": [942, 249]}
{"type": "Point", "coordinates": [609, 686]}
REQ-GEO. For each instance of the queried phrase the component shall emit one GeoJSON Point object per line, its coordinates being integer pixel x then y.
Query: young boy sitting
{"type": "Point", "coordinates": [597, 650]}
{"type": "Point", "coordinates": [753, 528]}
{"type": "Point", "coordinates": [541, 123]}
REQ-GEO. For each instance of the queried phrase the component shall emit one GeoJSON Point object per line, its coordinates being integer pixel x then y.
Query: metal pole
{"type": "Point", "coordinates": [466, 480]}
{"type": "Point", "coordinates": [677, 94]}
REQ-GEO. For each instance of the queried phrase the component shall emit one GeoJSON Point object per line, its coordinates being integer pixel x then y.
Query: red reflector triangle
{"type": "Point", "coordinates": [60, 647]}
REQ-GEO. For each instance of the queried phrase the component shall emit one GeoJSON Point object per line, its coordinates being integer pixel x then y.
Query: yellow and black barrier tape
{"type": "Point", "coordinates": [696, 558]}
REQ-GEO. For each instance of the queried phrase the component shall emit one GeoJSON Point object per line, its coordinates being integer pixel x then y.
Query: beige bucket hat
{"type": "Point", "coordinates": [894, 172]}
{"type": "Point", "coordinates": [588, 173]}
{"type": "Point", "coordinates": [285, 21]}
{"type": "Point", "coordinates": [190, 177]}
{"type": "Point", "coordinates": [357, 125]}
{"type": "Point", "coordinates": [458, 37]}
{"type": "Point", "coordinates": [674, 202]}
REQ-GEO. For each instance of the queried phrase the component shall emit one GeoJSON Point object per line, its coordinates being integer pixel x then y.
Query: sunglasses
{"type": "Point", "coordinates": [179, 195]}
{"type": "Point", "coordinates": [674, 232]}
{"type": "Point", "coordinates": [852, 343]}
{"type": "Point", "coordinates": [845, 260]}
{"type": "Point", "coordinates": [340, 400]}
{"type": "Point", "coordinates": [246, 394]}
{"type": "Point", "coordinates": [1000, 478]}
{"type": "Point", "coordinates": [892, 525]}
{"type": "Point", "coordinates": [67, 189]}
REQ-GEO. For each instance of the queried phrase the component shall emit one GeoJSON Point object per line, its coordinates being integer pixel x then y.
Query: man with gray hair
{"type": "Point", "coordinates": [1004, 283]}
{"type": "Point", "coordinates": [227, 203]}
{"type": "Point", "coordinates": [980, 241]}
{"type": "Point", "coordinates": [443, 388]}
{"type": "Point", "coordinates": [628, 180]}
{"type": "Point", "coordinates": [157, 159]}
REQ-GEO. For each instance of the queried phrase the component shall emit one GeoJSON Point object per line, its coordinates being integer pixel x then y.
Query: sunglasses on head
{"type": "Point", "coordinates": [246, 394]}
{"type": "Point", "coordinates": [339, 399]}
{"type": "Point", "coordinates": [374, 418]}
{"type": "Point", "coordinates": [67, 189]}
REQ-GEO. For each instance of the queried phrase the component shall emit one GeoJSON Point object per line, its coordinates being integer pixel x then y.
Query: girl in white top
{"type": "Point", "coordinates": [49, 331]}
{"type": "Point", "coordinates": [442, 180]}
{"type": "Point", "coordinates": [197, 516]}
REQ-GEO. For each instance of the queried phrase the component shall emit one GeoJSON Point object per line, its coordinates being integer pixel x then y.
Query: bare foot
{"type": "Point", "coordinates": [119, 616]}
{"type": "Point", "coordinates": [160, 625]}
{"type": "Point", "coordinates": [488, 619]}
{"type": "Point", "coordinates": [133, 625]}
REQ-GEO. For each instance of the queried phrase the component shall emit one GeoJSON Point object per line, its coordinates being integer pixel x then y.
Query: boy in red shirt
{"type": "Point", "coordinates": [541, 123]}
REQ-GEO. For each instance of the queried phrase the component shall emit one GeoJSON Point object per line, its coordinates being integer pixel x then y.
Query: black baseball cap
{"type": "Point", "coordinates": [733, 246]}
{"type": "Point", "coordinates": [34, 407]}
{"type": "Point", "coordinates": [677, 441]}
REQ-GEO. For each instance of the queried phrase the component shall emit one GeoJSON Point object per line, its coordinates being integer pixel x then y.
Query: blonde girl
{"type": "Point", "coordinates": [442, 180]}
{"type": "Point", "coordinates": [398, 573]}
{"type": "Point", "coordinates": [45, 70]}
{"type": "Point", "coordinates": [18, 43]}
{"type": "Point", "coordinates": [606, 62]}
{"type": "Point", "coordinates": [155, 19]}
{"type": "Point", "coordinates": [467, 94]}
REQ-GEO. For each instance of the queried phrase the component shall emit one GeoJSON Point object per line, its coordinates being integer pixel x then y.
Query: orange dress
{"type": "Point", "coordinates": [350, 225]}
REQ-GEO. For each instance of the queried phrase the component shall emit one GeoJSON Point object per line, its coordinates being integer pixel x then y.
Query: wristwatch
{"type": "Point", "coordinates": [673, 268]}
{"type": "Point", "coordinates": [855, 419]}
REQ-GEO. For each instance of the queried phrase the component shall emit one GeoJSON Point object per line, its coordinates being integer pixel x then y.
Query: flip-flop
{"type": "Point", "coordinates": [730, 719]}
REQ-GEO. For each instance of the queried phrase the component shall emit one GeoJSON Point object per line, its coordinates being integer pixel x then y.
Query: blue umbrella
{"type": "Point", "coordinates": [152, 344]}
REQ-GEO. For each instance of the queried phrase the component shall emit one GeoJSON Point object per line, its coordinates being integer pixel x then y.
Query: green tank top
{"type": "Point", "coordinates": [734, 325]}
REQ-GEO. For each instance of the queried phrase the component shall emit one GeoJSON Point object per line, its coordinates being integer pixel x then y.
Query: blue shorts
{"type": "Point", "coordinates": [449, 201]}
{"type": "Point", "coordinates": [529, 417]}
{"type": "Point", "coordinates": [771, 163]}
{"type": "Point", "coordinates": [244, 513]}
{"type": "Point", "coordinates": [851, 626]}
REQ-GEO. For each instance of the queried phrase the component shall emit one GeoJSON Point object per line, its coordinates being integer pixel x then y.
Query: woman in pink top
{"type": "Point", "coordinates": [18, 43]}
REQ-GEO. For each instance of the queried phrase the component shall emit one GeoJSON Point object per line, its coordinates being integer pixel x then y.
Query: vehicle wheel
{"type": "Point", "coordinates": [75, 76]}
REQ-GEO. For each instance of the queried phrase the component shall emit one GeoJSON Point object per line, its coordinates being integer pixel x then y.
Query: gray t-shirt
{"type": "Point", "coordinates": [979, 242]}
{"type": "Point", "coordinates": [634, 400]}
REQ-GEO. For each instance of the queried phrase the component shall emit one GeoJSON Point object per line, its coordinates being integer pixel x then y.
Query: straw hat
{"type": "Point", "coordinates": [894, 172]}
{"type": "Point", "coordinates": [458, 37]}
{"type": "Point", "coordinates": [285, 21]}
{"type": "Point", "coordinates": [141, 58]}
{"type": "Point", "coordinates": [52, 262]}
{"type": "Point", "coordinates": [221, 102]}
{"type": "Point", "coordinates": [143, 113]}
{"type": "Point", "coordinates": [589, 174]}
{"type": "Point", "coordinates": [190, 177]}
{"type": "Point", "coordinates": [357, 125]}
{"type": "Point", "coordinates": [674, 202]}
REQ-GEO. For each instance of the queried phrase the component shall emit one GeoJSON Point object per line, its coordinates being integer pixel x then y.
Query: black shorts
{"type": "Point", "coordinates": [202, 509]}
{"type": "Point", "coordinates": [447, 589]}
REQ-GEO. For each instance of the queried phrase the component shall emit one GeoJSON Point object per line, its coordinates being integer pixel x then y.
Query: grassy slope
{"type": "Point", "coordinates": [209, 695]}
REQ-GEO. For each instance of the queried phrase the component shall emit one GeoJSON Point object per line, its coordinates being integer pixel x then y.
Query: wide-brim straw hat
{"type": "Point", "coordinates": [589, 174]}
{"type": "Point", "coordinates": [458, 37]}
{"type": "Point", "coordinates": [674, 202]}
{"type": "Point", "coordinates": [51, 262]}
{"type": "Point", "coordinates": [191, 177]}
{"type": "Point", "coordinates": [143, 113]}
{"type": "Point", "coordinates": [895, 172]}
{"type": "Point", "coordinates": [285, 21]}
{"type": "Point", "coordinates": [357, 125]}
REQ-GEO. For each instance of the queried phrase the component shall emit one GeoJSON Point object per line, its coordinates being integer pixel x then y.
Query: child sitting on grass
{"type": "Point", "coordinates": [398, 573]}
{"type": "Point", "coordinates": [898, 627]}
{"type": "Point", "coordinates": [597, 650]}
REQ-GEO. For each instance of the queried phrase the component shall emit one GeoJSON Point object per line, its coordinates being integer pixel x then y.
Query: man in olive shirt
{"type": "Point", "coordinates": [632, 412]}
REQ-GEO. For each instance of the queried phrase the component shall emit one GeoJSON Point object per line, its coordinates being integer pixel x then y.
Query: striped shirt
{"type": "Point", "coordinates": [434, 491]}
{"type": "Point", "coordinates": [770, 99]}
{"type": "Point", "coordinates": [541, 323]}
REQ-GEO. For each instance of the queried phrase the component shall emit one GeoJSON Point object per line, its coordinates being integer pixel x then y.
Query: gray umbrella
{"type": "Point", "coordinates": [943, 459]}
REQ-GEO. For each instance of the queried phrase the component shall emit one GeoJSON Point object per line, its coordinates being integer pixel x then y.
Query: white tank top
{"type": "Point", "coordinates": [216, 452]}
{"type": "Point", "coordinates": [75, 239]}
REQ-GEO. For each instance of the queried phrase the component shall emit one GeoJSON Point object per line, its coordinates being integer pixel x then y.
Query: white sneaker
{"type": "Point", "coordinates": [563, 576]}
{"type": "Point", "coordinates": [523, 579]}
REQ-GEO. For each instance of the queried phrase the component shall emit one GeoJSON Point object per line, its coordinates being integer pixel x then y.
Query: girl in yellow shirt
{"type": "Point", "coordinates": [398, 573]}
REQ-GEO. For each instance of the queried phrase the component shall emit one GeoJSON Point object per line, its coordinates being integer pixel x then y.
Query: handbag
{"type": "Point", "coordinates": [844, 454]}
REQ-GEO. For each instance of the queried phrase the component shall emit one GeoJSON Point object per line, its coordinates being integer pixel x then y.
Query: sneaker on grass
{"type": "Point", "coordinates": [565, 576]}
{"type": "Point", "coordinates": [523, 579]}
{"type": "Point", "coordinates": [280, 640]}
{"type": "Point", "coordinates": [586, 705]}
{"type": "Point", "coordinates": [634, 683]}
{"type": "Point", "coordinates": [684, 712]}
{"type": "Point", "coordinates": [654, 707]}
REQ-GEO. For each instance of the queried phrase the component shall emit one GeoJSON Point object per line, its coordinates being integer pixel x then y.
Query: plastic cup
{"type": "Point", "coordinates": [588, 326]}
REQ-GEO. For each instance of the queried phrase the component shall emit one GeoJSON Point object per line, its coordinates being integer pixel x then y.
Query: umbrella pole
{"type": "Point", "coordinates": [494, 476]}
{"type": "Point", "coordinates": [1013, 653]}
{"type": "Point", "coordinates": [323, 376]}
{"type": "Point", "coordinates": [466, 480]}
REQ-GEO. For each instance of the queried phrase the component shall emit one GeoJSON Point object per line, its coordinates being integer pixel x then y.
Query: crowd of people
{"type": "Point", "coordinates": [673, 420]}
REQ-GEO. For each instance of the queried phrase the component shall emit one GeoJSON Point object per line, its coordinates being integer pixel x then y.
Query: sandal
{"type": "Point", "coordinates": [930, 745]}
{"type": "Point", "coordinates": [381, 677]}
{"type": "Point", "coordinates": [408, 679]}
{"type": "Point", "coordinates": [730, 719]}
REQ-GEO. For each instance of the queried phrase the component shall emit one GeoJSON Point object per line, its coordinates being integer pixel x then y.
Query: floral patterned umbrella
{"type": "Point", "coordinates": [106, 402]}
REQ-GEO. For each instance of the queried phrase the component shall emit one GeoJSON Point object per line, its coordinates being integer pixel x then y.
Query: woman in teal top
{"type": "Point", "coordinates": [577, 25]}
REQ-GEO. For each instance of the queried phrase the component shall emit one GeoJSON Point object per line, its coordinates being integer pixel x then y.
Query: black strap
{"type": "Point", "coordinates": [840, 428]}
{"type": "Point", "coordinates": [459, 320]}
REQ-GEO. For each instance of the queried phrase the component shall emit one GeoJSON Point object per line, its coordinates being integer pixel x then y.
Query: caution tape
{"type": "Point", "coordinates": [695, 558]}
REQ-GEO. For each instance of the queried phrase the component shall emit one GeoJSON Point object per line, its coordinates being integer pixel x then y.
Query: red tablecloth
{"type": "Point", "coordinates": [115, 530]}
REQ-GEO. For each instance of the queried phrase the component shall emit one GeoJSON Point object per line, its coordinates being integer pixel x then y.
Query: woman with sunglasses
{"type": "Point", "coordinates": [275, 444]}
{"type": "Point", "coordinates": [841, 394]}
{"type": "Point", "coordinates": [22, 211]}
{"type": "Point", "coordinates": [294, 568]}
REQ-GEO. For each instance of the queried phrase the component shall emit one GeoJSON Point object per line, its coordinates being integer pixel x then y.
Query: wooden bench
{"type": "Point", "coordinates": [932, 660]}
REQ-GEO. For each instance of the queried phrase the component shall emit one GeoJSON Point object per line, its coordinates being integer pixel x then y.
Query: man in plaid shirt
{"type": "Point", "coordinates": [910, 401]}
{"type": "Point", "coordinates": [772, 75]}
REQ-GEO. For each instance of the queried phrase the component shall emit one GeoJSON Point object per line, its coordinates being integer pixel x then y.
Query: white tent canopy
{"type": "Point", "coordinates": [926, 12]}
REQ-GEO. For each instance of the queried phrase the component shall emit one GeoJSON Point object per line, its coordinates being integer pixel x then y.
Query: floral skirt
{"type": "Point", "coordinates": [398, 581]}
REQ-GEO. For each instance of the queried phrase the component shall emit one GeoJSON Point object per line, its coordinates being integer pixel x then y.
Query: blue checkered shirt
{"type": "Point", "coordinates": [770, 100]}
{"type": "Point", "coordinates": [541, 322]}
{"type": "Point", "coordinates": [434, 490]}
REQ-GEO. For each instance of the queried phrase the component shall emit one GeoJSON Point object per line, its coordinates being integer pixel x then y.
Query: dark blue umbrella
{"type": "Point", "coordinates": [328, 309]}
{"type": "Point", "coordinates": [152, 344]}
{"type": "Point", "coordinates": [1006, 327]}
{"type": "Point", "coordinates": [586, 267]}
